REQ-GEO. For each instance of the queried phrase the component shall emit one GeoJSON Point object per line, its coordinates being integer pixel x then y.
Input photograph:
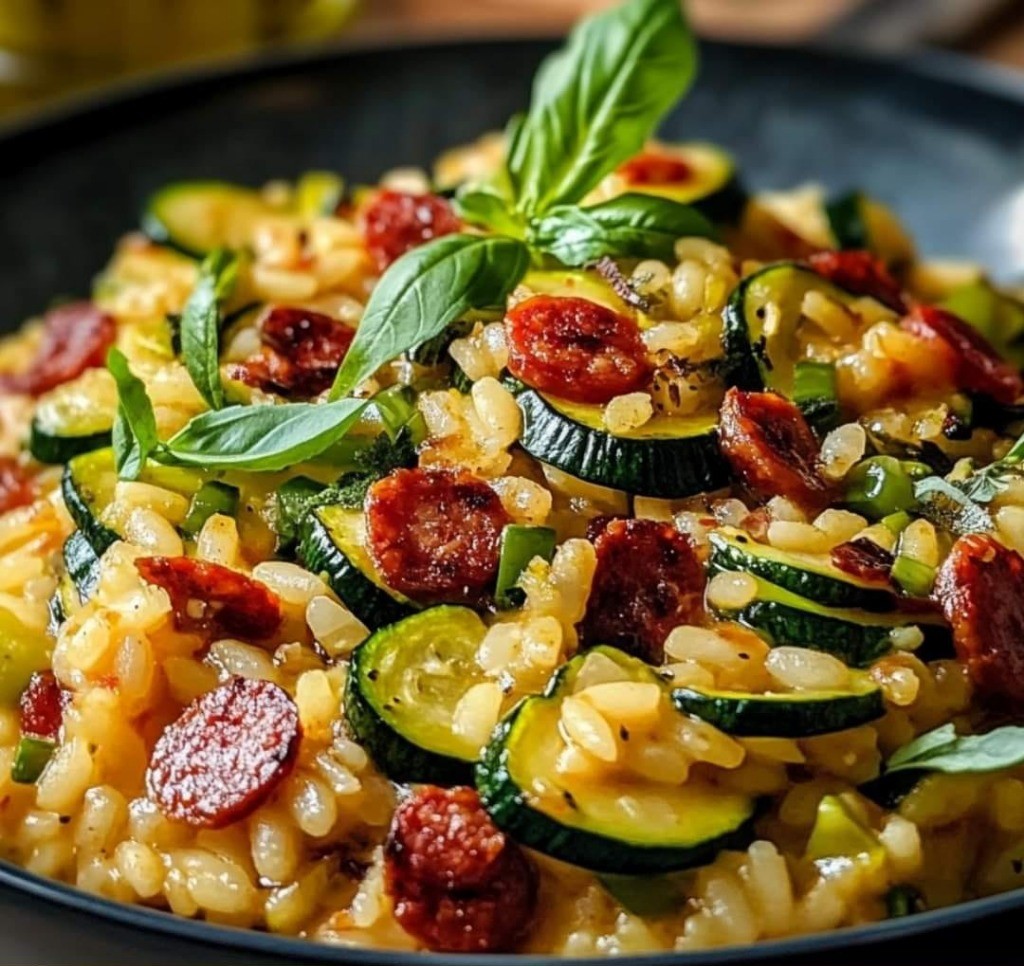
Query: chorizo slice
{"type": "Point", "coordinates": [395, 222]}
{"type": "Point", "coordinates": [575, 349]}
{"type": "Point", "coordinates": [225, 754]}
{"type": "Point", "coordinates": [771, 448]}
{"type": "Point", "coordinates": [41, 706]}
{"type": "Point", "coordinates": [649, 580]}
{"type": "Point", "coordinates": [17, 487]}
{"type": "Point", "coordinates": [861, 273]}
{"type": "Point", "coordinates": [980, 587]}
{"type": "Point", "coordinates": [864, 559]}
{"type": "Point", "coordinates": [654, 168]}
{"type": "Point", "coordinates": [977, 365]}
{"type": "Point", "coordinates": [458, 883]}
{"type": "Point", "coordinates": [434, 535]}
{"type": "Point", "coordinates": [302, 351]}
{"type": "Point", "coordinates": [209, 598]}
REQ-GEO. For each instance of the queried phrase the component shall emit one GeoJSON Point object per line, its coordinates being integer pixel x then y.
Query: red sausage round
{"type": "Point", "coordinates": [860, 273]}
{"type": "Point", "coordinates": [396, 221]}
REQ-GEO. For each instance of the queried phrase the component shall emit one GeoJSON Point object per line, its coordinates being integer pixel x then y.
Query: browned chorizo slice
{"type": "Point", "coordinates": [209, 598]}
{"type": "Point", "coordinates": [649, 579]}
{"type": "Point", "coordinates": [864, 559]}
{"type": "Point", "coordinates": [771, 449]}
{"type": "Point", "coordinates": [860, 273]}
{"type": "Point", "coordinates": [435, 534]}
{"type": "Point", "coordinates": [76, 337]}
{"type": "Point", "coordinates": [396, 221]}
{"type": "Point", "coordinates": [458, 883]}
{"type": "Point", "coordinates": [17, 487]}
{"type": "Point", "coordinates": [575, 348]}
{"type": "Point", "coordinates": [980, 587]}
{"type": "Point", "coordinates": [227, 752]}
{"type": "Point", "coordinates": [41, 706]}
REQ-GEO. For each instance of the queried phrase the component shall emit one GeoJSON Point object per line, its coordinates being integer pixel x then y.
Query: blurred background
{"type": "Point", "coordinates": [50, 48]}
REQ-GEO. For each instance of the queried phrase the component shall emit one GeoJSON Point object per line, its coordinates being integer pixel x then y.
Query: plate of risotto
{"type": "Point", "coordinates": [569, 551]}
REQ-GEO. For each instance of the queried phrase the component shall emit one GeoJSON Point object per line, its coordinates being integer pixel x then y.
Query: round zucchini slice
{"type": "Point", "coordinates": [855, 636]}
{"type": "Point", "coordinates": [197, 216]}
{"type": "Point", "coordinates": [403, 686]}
{"type": "Point", "coordinates": [74, 418]}
{"type": "Point", "coordinates": [625, 826]}
{"type": "Point", "coordinates": [809, 575]}
{"type": "Point", "coordinates": [797, 714]}
{"type": "Point", "coordinates": [669, 457]}
{"type": "Point", "coordinates": [333, 543]}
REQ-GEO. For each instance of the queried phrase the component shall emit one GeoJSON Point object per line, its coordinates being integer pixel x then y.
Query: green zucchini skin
{"type": "Point", "coordinates": [506, 803]}
{"type": "Point", "coordinates": [781, 716]}
{"type": "Point", "coordinates": [846, 220]}
{"type": "Point", "coordinates": [725, 205]}
{"type": "Point", "coordinates": [77, 498]}
{"type": "Point", "coordinates": [729, 554]}
{"type": "Point", "coordinates": [372, 604]}
{"type": "Point", "coordinates": [391, 751]}
{"type": "Point", "coordinates": [82, 564]}
{"type": "Point", "coordinates": [662, 467]}
{"type": "Point", "coordinates": [55, 449]}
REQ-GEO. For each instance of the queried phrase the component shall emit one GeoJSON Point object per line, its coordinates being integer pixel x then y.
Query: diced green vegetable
{"type": "Point", "coordinates": [519, 545]}
{"type": "Point", "coordinates": [840, 833]}
{"type": "Point", "coordinates": [915, 577]}
{"type": "Point", "coordinates": [211, 498]}
{"type": "Point", "coordinates": [879, 486]}
{"type": "Point", "coordinates": [30, 758]}
{"type": "Point", "coordinates": [897, 522]}
{"type": "Point", "coordinates": [318, 193]}
{"type": "Point", "coordinates": [22, 653]}
{"type": "Point", "coordinates": [903, 900]}
{"type": "Point", "coordinates": [815, 393]}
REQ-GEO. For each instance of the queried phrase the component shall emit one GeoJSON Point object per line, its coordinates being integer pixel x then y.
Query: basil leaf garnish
{"type": "Point", "coordinates": [485, 206]}
{"type": "Point", "coordinates": [947, 506]}
{"type": "Point", "coordinates": [425, 290]}
{"type": "Point", "coordinates": [597, 101]}
{"type": "Point", "coordinates": [264, 438]}
{"type": "Point", "coordinates": [943, 750]}
{"type": "Point", "coordinates": [134, 434]}
{"type": "Point", "coordinates": [200, 323]}
{"type": "Point", "coordinates": [629, 226]}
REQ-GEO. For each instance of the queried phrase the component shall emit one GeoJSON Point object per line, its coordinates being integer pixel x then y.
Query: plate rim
{"type": "Point", "coordinates": [19, 133]}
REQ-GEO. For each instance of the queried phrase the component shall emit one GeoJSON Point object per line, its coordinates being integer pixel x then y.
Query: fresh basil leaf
{"type": "Point", "coordinates": [629, 226]}
{"type": "Point", "coordinates": [425, 290]}
{"type": "Point", "coordinates": [947, 506]}
{"type": "Point", "coordinates": [484, 205]}
{"type": "Point", "coordinates": [200, 323]}
{"type": "Point", "coordinates": [597, 101]}
{"type": "Point", "coordinates": [943, 750]}
{"type": "Point", "coordinates": [264, 438]}
{"type": "Point", "coordinates": [134, 434]}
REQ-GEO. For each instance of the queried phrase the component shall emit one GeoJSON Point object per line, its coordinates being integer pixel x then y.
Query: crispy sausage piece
{"type": "Point", "coordinates": [395, 222]}
{"type": "Point", "coordinates": [864, 559]}
{"type": "Point", "coordinates": [860, 273]}
{"type": "Point", "coordinates": [41, 706]}
{"type": "Point", "coordinates": [459, 884]}
{"type": "Point", "coordinates": [76, 337]}
{"type": "Point", "coordinates": [770, 448]}
{"type": "Point", "coordinates": [17, 487]}
{"type": "Point", "coordinates": [654, 168]}
{"type": "Point", "coordinates": [302, 351]}
{"type": "Point", "coordinates": [649, 579]}
{"type": "Point", "coordinates": [576, 349]}
{"type": "Point", "coordinates": [980, 587]}
{"type": "Point", "coordinates": [227, 752]}
{"type": "Point", "coordinates": [435, 534]}
{"type": "Point", "coordinates": [978, 366]}
{"type": "Point", "coordinates": [209, 598]}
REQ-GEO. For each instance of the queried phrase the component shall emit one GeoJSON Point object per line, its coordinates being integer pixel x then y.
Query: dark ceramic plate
{"type": "Point", "coordinates": [942, 140]}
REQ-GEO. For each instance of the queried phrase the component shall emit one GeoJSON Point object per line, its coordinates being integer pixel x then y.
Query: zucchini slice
{"type": "Point", "coordinates": [858, 221]}
{"type": "Point", "coordinates": [197, 216]}
{"type": "Point", "coordinates": [763, 324]}
{"type": "Point", "coordinates": [857, 637]}
{"type": "Point", "coordinates": [797, 714]}
{"type": "Point", "coordinates": [628, 826]}
{"type": "Point", "coordinates": [403, 686]}
{"type": "Point", "coordinates": [809, 575]}
{"type": "Point", "coordinates": [82, 566]}
{"type": "Point", "coordinates": [88, 487]}
{"type": "Point", "coordinates": [74, 418]}
{"type": "Point", "coordinates": [333, 543]}
{"type": "Point", "coordinates": [669, 457]}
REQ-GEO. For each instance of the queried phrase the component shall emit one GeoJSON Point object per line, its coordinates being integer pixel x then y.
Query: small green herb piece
{"type": "Point", "coordinates": [597, 101]}
{"type": "Point", "coordinates": [295, 498]}
{"type": "Point", "coordinates": [946, 505]}
{"type": "Point", "coordinates": [629, 226]}
{"type": "Point", "coordinates": [945, 751]}
{"type": "Point", "coordinates": [903, 900]}
{"type": "Point", "coordinates": [201, 320]}
{"type": "Point", "coordinates": [519, 545]}
{"type": "Point", "coordinates": [210, 499]}
{"type": "Point", "coordinates": [134, 436]}
{"type": "Point", "coordinates": [263, 438]}
{"type": "Point", "coordinates": [30, 758]}
{"type": "Point", "coordinates": [424, 291]}
{"type": "Point", "coordinates": [914, 577]}
{"type": "Point", "coordinates": [879, 486]}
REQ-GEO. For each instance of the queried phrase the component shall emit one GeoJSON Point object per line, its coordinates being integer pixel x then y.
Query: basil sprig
{"type": "Point", "coordinates": [945, 751]}
{"type": "Point", "coordinates": [424, 291]}
{"type": "Point", "coordinates": [134, 434]}
{"type": "Point", "coordinates": [629, 226]}
{"type": "Point", "coordinates": [200, 323]}
{"type": "Point", "coordinates": [597, 101]}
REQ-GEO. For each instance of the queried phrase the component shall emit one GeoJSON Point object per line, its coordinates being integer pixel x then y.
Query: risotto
{"type": "Point", "coordinates": [565, 551]}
